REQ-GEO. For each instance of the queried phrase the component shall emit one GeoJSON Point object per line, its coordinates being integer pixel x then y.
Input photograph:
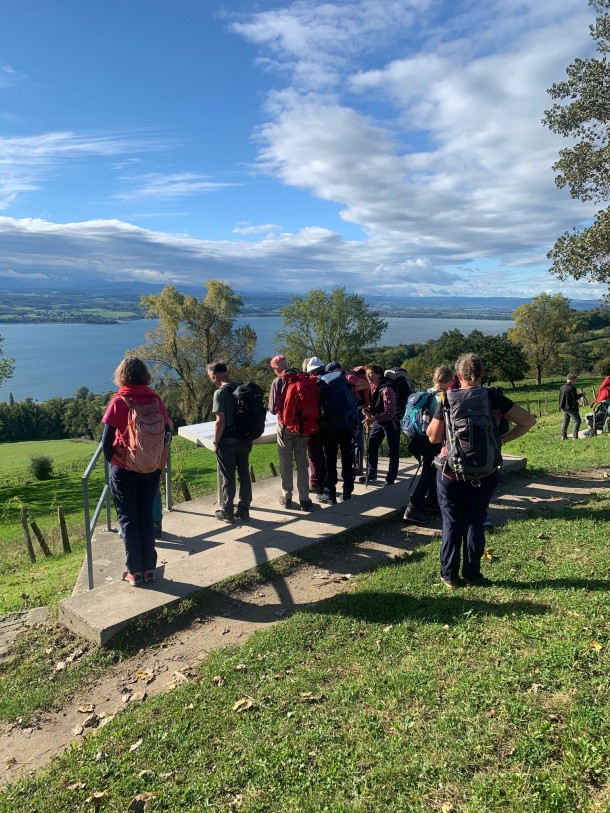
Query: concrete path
{"type": "Point", "coordinates": [197, 550]}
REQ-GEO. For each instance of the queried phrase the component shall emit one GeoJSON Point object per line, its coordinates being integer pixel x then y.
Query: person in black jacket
{"type": "Point", "coordinates": [568, 403]}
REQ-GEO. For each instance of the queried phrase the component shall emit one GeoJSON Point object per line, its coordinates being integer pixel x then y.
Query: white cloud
{"type": "Point", "coordinates": [248, 228]}
{"type": "Point", "coordinates": [9, 76]}
{"type": "Point", "coordinates": [157, 186]}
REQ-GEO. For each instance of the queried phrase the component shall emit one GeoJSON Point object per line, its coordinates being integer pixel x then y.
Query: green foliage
{"type": "Point", "coordinates": [540, 327]}
{"type": "Point", "coordinates": [6, 365]}
{"type": "Point", "coordinates": [581, 113]}
{"type": "Point", "coordinates": [192, 333]}
{"type": "Point", "coordinates": [41, 467]}
{"type": "Point", "coordinates": [335, 326]}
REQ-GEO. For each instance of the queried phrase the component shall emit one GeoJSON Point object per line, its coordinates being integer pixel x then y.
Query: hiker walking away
{"type": "Point", "coordinates": [339, 423]}
{"type": "Point", "coordinates": [292, 395]}
{"type": "Point", "coordinates": [315, 367]}
{"type": "Point", "coordinates": [468, 465]}
{"type": "Point", "coordinates": [424, 497]}
{"type": "Point", "coordinates": [135, 441]}
{"type": "Point", "coordinates": [383, 421]}
{"type": "Point", "coordinates": [568, 403]}
{"type": "Point", "coordinates": [232, 453]}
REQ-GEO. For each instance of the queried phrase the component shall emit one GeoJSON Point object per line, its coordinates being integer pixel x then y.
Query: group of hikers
{"type": "Point", "coordinates": [569, 399]}
{"type": "Point", "coordinates": [455, 429]}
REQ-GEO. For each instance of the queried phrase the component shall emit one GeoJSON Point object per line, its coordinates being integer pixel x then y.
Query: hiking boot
{"type": "Point", "coordinates": [413, 514]}
{"type": "Point", "coordinates": [452, 583]}
{"type": "Point", "coordinates": [327, 499]}
{"type": "Point", "coordinates": [133, 579]}
{"type": "Point", "coordinates": [224, 516]}
{"type": "Point", "coordinates": [243, 514]}
{"type": "Point", "coordinates": [346, 497]}
{"type": "Point", "coordinates": [286, 502]}
{"type": "Point", "coordinates": [149, 577]}
{"type": "Point", "coordinates": [306, 505]}
{"type": "Point", "coordinates": [487, 522]}
{"type": "Point", "coordinates": [370, 479]}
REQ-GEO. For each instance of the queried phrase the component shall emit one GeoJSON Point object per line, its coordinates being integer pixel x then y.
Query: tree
{"type": "Point", "coordinates": [582, 114]}
{"type": "Point", "coordinates": [335, 326]}
{"type": "Point", "coordinates": [6, 365]}
{"type": "Point", "coordinates": [192, 333]}
{"type": "Point", "coordinates": [540, 327]}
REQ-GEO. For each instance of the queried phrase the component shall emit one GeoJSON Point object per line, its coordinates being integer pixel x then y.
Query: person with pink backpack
{"type": "Point", "coordinates": [137, 432]}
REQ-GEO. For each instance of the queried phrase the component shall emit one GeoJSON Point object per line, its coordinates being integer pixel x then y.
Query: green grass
{"type": "Point", "coordinates": [395, 696]}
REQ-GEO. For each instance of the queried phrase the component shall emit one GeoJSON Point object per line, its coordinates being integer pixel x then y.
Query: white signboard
{"type": "Point", "coordinates": [203, 433]}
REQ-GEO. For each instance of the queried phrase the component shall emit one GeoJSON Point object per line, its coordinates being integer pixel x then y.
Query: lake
{"type": "Point", "coordinates": [54, 359]}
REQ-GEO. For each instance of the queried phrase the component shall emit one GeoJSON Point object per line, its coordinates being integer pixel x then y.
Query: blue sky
{"type": "Point", "coordinates": [384, 145]}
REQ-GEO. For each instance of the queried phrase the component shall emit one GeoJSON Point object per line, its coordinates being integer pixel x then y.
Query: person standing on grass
{"type": "Point", "coordinates": [384, 423]}
{"type": "Point", "coordinates": [568, 403]}
{"type": "Point", "coordinates": [233, 454]}
{"type": "Point", "coordinates": [133, 492]}
{"type": "Point", "coordinates": [464, 503]}
{"type": "Point", "coordinates": [424, 497]}
{"type": "Point", "coordinates": [291, 445]}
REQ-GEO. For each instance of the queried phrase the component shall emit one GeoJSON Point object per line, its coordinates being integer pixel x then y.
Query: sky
{"type": "Point", "coordinates": [388, 146]}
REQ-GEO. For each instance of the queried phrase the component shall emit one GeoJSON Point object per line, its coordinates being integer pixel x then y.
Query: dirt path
{"type": "Point", "coordinates": [231, 617]}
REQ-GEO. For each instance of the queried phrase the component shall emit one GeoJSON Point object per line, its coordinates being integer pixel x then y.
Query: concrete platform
{"type": "Point", "coordinates": [197, 551]}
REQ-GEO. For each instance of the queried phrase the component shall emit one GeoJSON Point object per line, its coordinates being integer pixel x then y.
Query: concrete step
{"type": "Point", "coordinates": [198, 551]}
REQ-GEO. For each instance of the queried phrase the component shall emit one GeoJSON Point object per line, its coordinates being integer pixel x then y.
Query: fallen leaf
{"type": "Point", "coordinates": [543, 536]}
{"type": "Point", "coordinates": [308, 697]}
{"type": "Point", "coordinates": [146, 774]}
{"type": "Point", "coordinates": [242, 705]}
{"type": "Point", "coordinates": [240, 667]}
{"type": "Point", "coordinates": [10, 761]}
{"type": "Point", "coordinates": [388, 628]}
{"type": "Point", "coordinates": [490, 713]}
{"type": "Point", "coordinates": [87, 708]}
{"type": "Point", "coordinates": [189, 707]}
{"type": "Point", "coordinates": [218, 680]}
{"type": "Point", "coordinates": [60, 666]}
{"type": "Point", "coordinates": [136, 745]}
{"type": "Point", "coordinates": [77, 786]}
{"type": "Point", "coordinates": [536, 687]}
{"type": "Point", "coordinates": [447, 807]}
{"type": "Point", "coordinates": [596, 646]}
{"type": "Point", "coordinates": [77, 730]}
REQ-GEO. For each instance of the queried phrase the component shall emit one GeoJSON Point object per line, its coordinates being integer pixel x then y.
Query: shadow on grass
{"type": "Point", "coordinates": [591, 585]}
{"type": "Point", "coordinates": [385, 608]}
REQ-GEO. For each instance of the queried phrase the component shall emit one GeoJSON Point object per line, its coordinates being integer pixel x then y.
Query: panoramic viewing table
{"type": "Point", "coordinates": [203, 433]}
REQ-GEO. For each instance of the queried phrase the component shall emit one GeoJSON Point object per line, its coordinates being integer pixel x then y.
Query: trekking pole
{"type": "Point", "coordinates": [367, 433]}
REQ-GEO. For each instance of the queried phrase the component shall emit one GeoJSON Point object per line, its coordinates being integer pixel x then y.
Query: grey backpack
{"type": "Point", "coordinates": [472, 447]}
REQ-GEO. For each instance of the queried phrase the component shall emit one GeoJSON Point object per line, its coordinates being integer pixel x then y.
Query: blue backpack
{"type": "Point", "coordinates": [339, 409]}
{"type": "Point", "coordinates": [417, 413]}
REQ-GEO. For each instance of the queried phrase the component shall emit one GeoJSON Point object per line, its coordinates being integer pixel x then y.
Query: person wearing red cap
{"type": "Point", "coordinates": [290, 445]}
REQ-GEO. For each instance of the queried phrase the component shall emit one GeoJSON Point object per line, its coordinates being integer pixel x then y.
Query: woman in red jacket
{"type": "Point", "coordinates": [133, 492]}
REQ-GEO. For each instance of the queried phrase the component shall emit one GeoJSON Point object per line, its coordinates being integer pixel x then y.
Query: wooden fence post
{"type": "Point", "coordinates": [41, 540]}
{"type": "Point", "coordinates": [26, 532]}
{"type": "Point", "coordinates": [64, 531]}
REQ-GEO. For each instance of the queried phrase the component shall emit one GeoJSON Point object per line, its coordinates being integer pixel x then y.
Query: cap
{"type": "Point", "coordinates": [332, 366]}
{"type": "Point", "coordinates": [276, 360]}
{"type": "Point", "coordinates": [314, 363]}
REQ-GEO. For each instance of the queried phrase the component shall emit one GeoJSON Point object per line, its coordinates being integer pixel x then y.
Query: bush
{"type": "Point", "coordinates": [41, 467]}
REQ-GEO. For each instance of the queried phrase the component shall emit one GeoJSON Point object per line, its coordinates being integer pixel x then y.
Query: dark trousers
{"type": "Point", "coordinates": [424, 493]}
{"type": "Point", "coordinates": [317, 463]}
{"type": "Point", "coordinates": [358, 444]}
{"type": "Point", "coordinates": [334, 442]}
{"type": "Point", "coordinates": [570, 414]}
{"type": "Point", "coordinates": [391, 431]}
{"type": "Point", "coordinates": [463, 509]}
{"type": "Point", "coordinates": [134, 495]}
{"type": "Point", "coordinates": [234, 456]}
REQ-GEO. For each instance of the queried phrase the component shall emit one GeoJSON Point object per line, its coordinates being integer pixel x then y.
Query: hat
{"type": "Point", "coordinates": [314, 363]}
{"type": "Point", "coordinates": [276, 360]}
{"type": "Point", "coordinates": [332, 366]}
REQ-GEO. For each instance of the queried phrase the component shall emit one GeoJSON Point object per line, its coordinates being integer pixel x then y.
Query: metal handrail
{"type": "Point", "coordinates": [105, 499]}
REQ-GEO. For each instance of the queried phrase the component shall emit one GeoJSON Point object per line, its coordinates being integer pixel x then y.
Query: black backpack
{"type": "Point", "coordinates": [250, 412]}
{"type": "Point", "coordinates": [472, 438]}
{"type": "Point", "coordinates": [402, 385]}
{"type": "Point", "coordinates": [339, 409]}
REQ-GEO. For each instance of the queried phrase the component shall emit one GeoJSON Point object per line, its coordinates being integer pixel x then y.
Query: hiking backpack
{"type": "Point", "coordinates": [472, 439]}
{"type": "Point", "coordinates": [250, 412]}
{"type": "Point", "coordinates": [416, 417]}
{"type": "Point", "coordinates": [402, 385]}
{"type": "Point", "coordinates": [300, 412]}
{"type": "Point", "coordinates": [144, 437]}
{"type": "Point", "coordinates": [338, 402]}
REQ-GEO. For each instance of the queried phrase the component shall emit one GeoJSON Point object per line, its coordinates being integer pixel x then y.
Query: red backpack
{"type": "Point", "coordinates": [300, 411]}
{"type": "Point", "coordinates": [145, 449]}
